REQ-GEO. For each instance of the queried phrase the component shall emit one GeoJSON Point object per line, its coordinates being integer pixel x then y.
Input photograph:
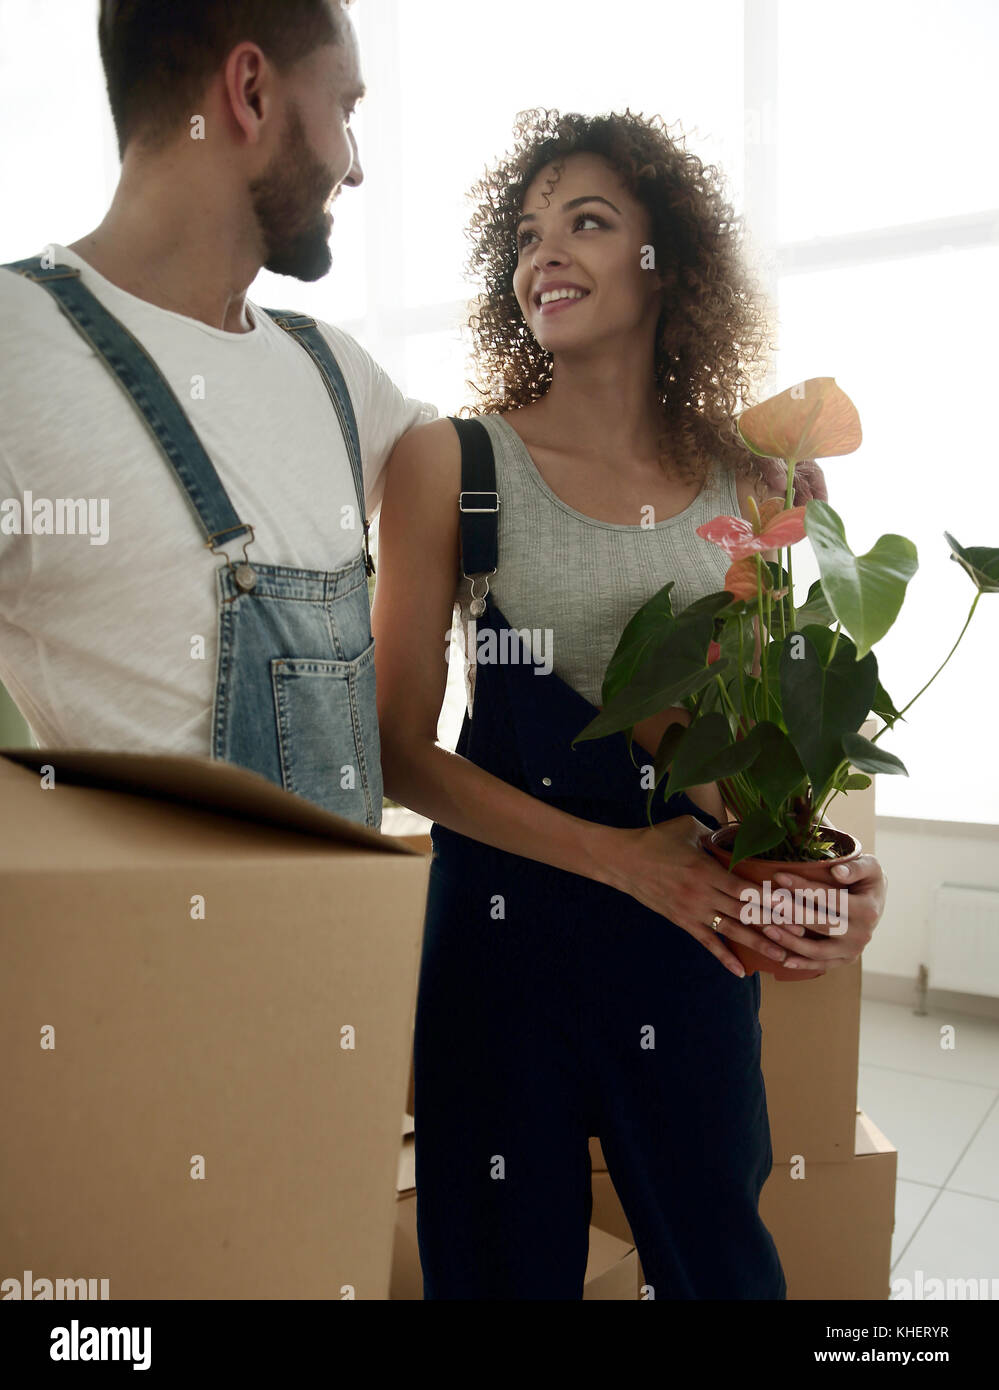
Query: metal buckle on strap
{"type": "Point", "coordinates": [463, 508]}
{"type": "Point", "coordinates": [293, 322]}
{"type": "Point", "coordinates": [243, 573]}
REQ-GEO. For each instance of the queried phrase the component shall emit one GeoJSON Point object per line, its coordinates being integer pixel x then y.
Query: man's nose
{"type": "Point", "coordinates": [355, 174]}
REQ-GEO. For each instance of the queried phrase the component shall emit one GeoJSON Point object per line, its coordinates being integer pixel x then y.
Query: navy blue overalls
{"type": "Point", "coordinates": [552, 1008]}
{"type": "Point", "coordinates": [295, 681]}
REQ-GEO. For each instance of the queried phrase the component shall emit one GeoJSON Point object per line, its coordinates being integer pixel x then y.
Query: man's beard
{"type": "Point", "coordinates": [289, 199]}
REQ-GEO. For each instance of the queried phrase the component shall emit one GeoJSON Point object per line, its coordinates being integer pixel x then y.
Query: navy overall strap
{"type": "Point", "coordinates": [307, 333]}
{"type": "Point", "coordinates": [149, 392]}
{"type": "Point", "coordinates": [478, 502]}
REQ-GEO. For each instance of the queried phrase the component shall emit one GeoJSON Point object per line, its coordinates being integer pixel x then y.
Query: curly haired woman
{"type": "Point", "coordinates": [575, 980]}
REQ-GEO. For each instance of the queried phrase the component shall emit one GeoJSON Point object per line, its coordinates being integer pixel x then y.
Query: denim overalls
{"type": "Point", "coordinates": [551, 1008]}
{"type": "Point", "coordinates": [295, 683]}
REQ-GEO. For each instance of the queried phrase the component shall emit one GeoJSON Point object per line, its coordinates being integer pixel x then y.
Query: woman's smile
{"type": "Point", "coordinates": [555, 298]}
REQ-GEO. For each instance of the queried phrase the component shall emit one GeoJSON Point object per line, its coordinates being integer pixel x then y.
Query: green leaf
{"type": "Point", "coordinates": [865, 592]}
{"type": "Point", "coordinates": [675, 669]}
{"type": "Point", "coordinates": [728, 641]}
{"type": "Point", "coordinates": [710, 699]}
{"type": "Point", "coordinates": [714, 604]}
{"type": "Point", "coordinates": [666, 752]}
{"type": "Point", "coordinates": [815, 609]}
{"type": "Point", "coordinates": [756, 834]}
{"type": "Point", "coordinates": [777, 770]}
{"type": "Point", "coordinates": [856, 782]}
{"type": "Point", "coordinates": [869, 757]}
{"type": "Point", "coordinates": [672, 737]}
{"type": "Point", "coordinates": [646, 630]}
{"type": "Point", "coordinates": [708, 753]}
{"type": "Point", "coordinates": [767, 702]}
{"type": "Point", "coordinates": [749, 685]}
{"type": "Point", "coordinates": [884, 706]}
{"type": "Point", "coordinates": [822, 702]}
{"type": "Point", "coordinates": [980, 561]}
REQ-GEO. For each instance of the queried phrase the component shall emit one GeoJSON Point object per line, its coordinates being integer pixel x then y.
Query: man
{"type": "Point", "coordinates": [216, 465]}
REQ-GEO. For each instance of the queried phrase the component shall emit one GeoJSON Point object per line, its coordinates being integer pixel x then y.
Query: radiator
{"type": "Point", "coordinates": [964, 940]}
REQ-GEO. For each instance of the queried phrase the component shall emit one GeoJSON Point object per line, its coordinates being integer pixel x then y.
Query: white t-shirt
{"type": "Point", "coordinates": [97, 628]}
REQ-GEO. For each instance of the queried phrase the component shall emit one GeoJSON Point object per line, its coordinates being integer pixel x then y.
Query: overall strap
{"type": "Point", "coordinates": [149, 392]}
{"type": "Point", "coordinates": [478, 507]}
{"type": "Point", "coordinates": [306, 332]}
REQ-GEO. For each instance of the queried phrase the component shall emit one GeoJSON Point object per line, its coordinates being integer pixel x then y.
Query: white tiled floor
{"type": "Point", "coordinates": [940, 1108]}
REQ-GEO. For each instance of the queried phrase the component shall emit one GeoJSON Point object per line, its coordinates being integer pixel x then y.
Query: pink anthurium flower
{"type": "Point", "coordinates": [741, 580]}
{"type": "Point", "coordinates": [772, 527]}
{"type": "Point", "coordinates": [714, 652]}
{"type": "Point", "coordinates": [814, 419]}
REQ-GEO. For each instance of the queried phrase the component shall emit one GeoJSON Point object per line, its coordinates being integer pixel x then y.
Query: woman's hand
{"type": "Point", "coordinates": [864, 906]}
{"type": "Point", "coordinates": [665, 868]}
{"type": "Point", "coordinates": [809, 480]}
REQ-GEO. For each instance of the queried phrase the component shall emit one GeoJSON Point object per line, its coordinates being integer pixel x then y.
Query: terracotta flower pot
{"type": "Point", "coordinates": [759, 870]}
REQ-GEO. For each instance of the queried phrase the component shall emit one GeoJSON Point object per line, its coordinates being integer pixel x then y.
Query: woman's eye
{"type": "Point", "coordinates": [523, 237]}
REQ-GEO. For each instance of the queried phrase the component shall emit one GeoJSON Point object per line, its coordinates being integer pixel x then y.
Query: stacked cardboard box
{"type": "Point", "coordinates": [205, 1019]}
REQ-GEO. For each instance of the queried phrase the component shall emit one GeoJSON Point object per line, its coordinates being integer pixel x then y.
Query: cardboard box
{"type": "Point", "coordinates": [810, 1057]}
{"type": "Point", "coordinates": [611, 1268]}
{"type": "Point", "coordinates": [423, 845]}
{"type": "Point", "coordinates": [833, 1222]}
{"type": "Point", "coordinates": [183, 1039]}
{"type": "Point", "coordinates": [832, 1225]}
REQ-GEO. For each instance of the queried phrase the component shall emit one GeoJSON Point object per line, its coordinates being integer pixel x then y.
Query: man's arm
{"type": "Point", "coordinates": [383, 413]}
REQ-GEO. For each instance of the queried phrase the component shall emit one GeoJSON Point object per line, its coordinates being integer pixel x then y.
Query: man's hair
{"type": "Point", "coordinates": [159, 55]}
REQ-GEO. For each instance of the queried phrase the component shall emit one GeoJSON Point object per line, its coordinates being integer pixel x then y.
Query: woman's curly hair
{"type": "Point", "coordinates": [713, 329]}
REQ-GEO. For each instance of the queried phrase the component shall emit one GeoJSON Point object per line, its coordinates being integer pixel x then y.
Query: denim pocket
{"type": "Point", "coordinates": [328, 739]}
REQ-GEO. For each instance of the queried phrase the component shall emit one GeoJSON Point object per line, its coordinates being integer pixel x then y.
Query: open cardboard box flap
{"type": "Point", "coordinates": [167, 781]}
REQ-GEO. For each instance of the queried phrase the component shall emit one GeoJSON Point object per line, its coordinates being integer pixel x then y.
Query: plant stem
{"type": "Point", "coordinates": [936, 672]}
{"type": "Point", "coordinates": [788, 501]}
{"type": "Point", "coordinates": [763, 645]}
{"type": "Point", "coordinates": [832, 649]}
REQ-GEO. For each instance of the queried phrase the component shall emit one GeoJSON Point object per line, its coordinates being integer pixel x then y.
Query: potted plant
{"type": "Point", "coordinates": [778, 734]}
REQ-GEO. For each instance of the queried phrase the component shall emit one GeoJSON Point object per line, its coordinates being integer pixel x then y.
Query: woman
{"type": "Point", "coordinates": [575, 980]}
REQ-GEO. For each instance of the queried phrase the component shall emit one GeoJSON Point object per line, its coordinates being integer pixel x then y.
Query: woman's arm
{"type": "Point", "coordinates": [418, 572]}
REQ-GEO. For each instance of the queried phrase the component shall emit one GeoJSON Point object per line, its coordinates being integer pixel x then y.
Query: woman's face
{"type": "Point", "coordinates": [586, 238]}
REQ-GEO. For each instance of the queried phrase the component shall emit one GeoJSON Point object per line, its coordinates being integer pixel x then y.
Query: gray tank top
{"type": "Point", "coordinates": [574, 582]}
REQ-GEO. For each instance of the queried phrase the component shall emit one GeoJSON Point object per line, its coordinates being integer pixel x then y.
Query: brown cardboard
{"type": "Point", "coordinates": [833, 1222]}
{"type": "Point", "coordinates": [422, 844]}
{"type": "Point", "coordinates": [406, 1174]}
{"type": "Point", "coordinates": [611, 1268]}
{"type": "Point", "coordinates": [810, 1056]}
{"type": "Point", "coordinates": [832, 1226]}
{"type": "Point", "coordinates": [177, 1036]}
